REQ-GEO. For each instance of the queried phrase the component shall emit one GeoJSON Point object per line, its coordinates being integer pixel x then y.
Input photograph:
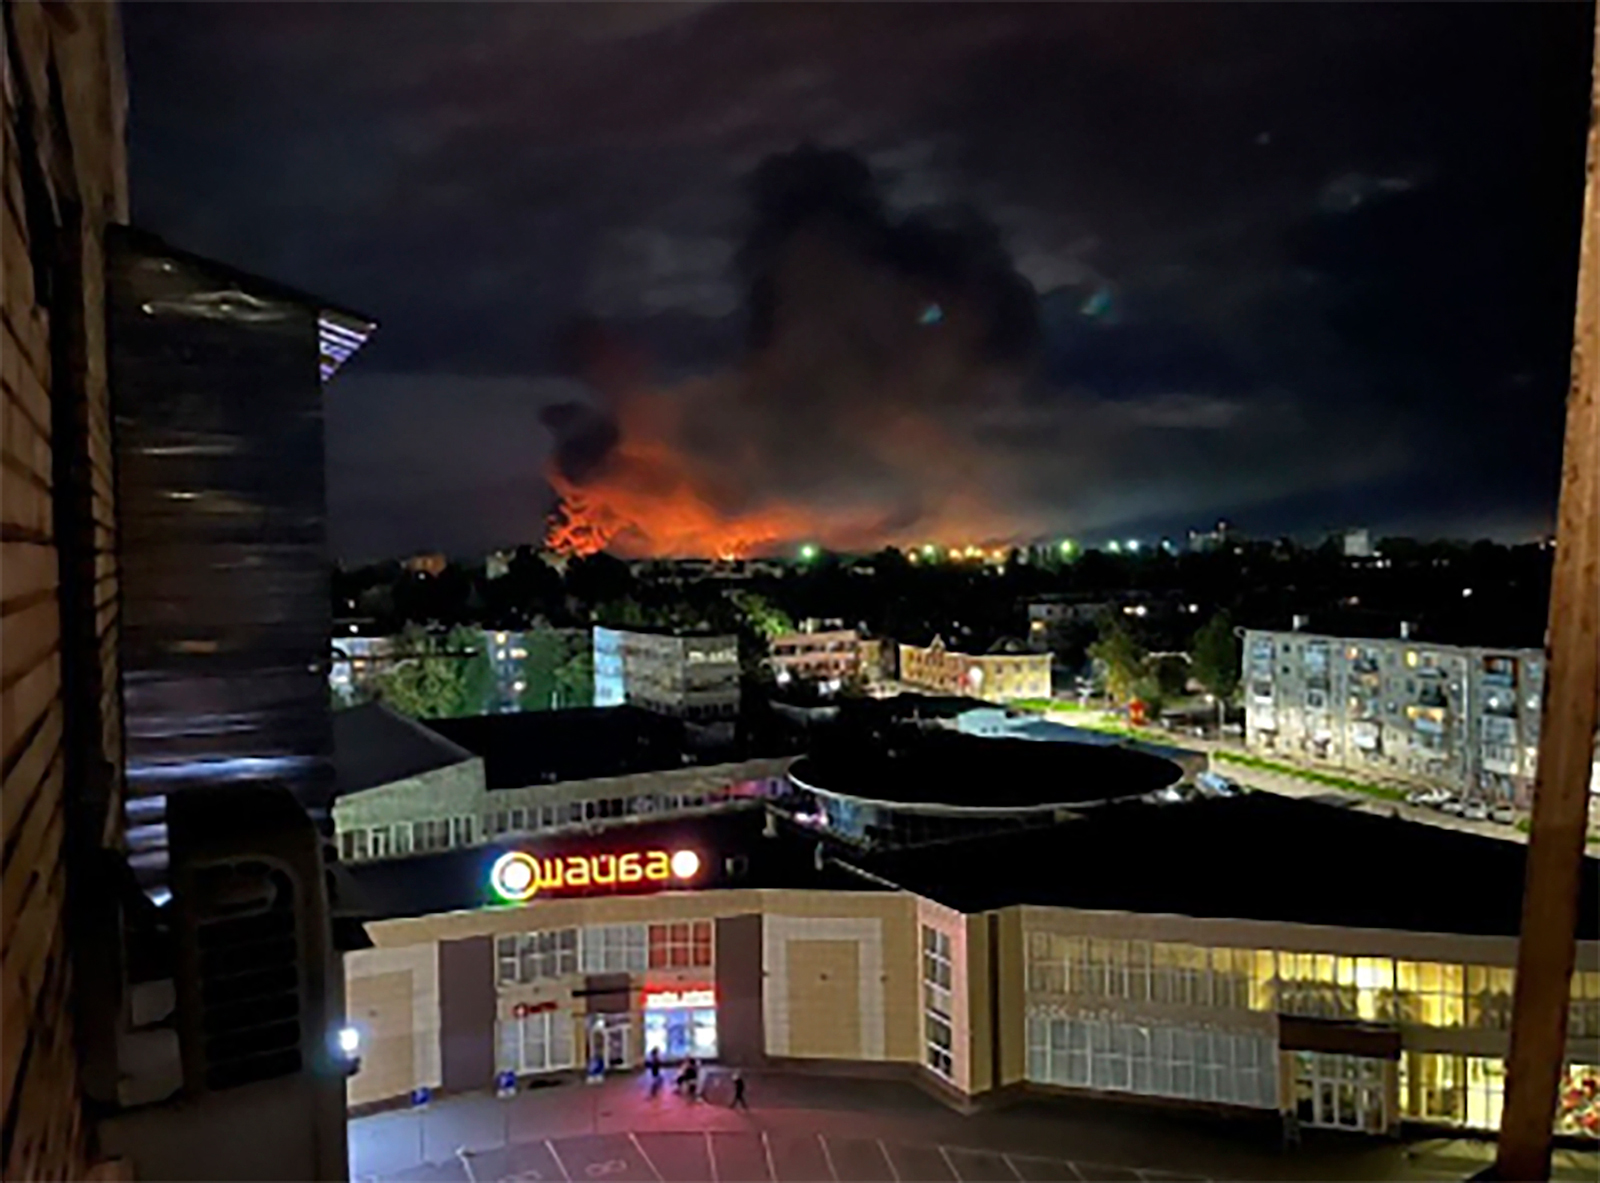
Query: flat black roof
{"type": "Point", "coordinates": [735, 851]}
{"type": "Point", "coordinates": [907, 766]}
{"type": "Point", "coordinates": [373, 745]}
{"type": "Point", "coordinates": [1256, 857]}
{"type": "Point", "coordinates": [530, 748]}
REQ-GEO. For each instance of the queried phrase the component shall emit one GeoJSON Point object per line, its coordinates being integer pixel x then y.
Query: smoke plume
{"type": "Point", "coordinates": [877, 346]}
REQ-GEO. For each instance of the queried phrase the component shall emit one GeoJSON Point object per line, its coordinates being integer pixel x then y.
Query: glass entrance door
{"type": "Point", "coordinates": [609, 1043]}
{"type": "Point", "coordinates": [1340, 1092]}
{"type": "Point", "coordinates": [679, 1033]}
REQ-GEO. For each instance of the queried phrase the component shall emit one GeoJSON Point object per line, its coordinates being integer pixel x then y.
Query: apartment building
{"type": "Point", "coordinates": [686, 675]}
{"type": "Point", "coordinates": [827, 656]}
{"type": "Point", "coordinates": [1005, 673]}
{"type": "Point", "coordinates": [1460, 717]}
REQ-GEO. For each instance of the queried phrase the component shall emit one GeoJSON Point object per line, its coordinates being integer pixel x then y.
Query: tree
{"type": "Point", "coordinates": [558, 671]}
{"type": "Point", "coordinates": [1215, 653]}
{"type": "Point", "coordinates": [761, 615]}
{"type": "Point", "coordinates": [438, 677]}
{"type": "Point", "coordinates": [1122, 657]}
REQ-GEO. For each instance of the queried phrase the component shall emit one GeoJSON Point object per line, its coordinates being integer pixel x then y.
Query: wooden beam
{"type": "Point", "coordinates": [1566, 739]}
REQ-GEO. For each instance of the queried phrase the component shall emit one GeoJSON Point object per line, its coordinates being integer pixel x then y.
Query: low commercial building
{"type": "Point", "coordinates": [408, 788]}
{"type": "Point", "coordinates": [685, 675]}
{"type": "Point", "coordinates": [1189, 954]}
{"type": "Point", "coordinates": [1462, 718]}
{"type": "Point", "coordinates": [1005, 673]}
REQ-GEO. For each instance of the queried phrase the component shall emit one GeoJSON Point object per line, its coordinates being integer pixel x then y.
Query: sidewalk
{"type": "Point", "coordinates": [1289, 785]}
{"type": "Point", "coordinates": [816, 1128]}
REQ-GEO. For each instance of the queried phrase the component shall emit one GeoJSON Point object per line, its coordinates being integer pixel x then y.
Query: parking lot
{"type": "Point", "coordinates": [810, 1129]}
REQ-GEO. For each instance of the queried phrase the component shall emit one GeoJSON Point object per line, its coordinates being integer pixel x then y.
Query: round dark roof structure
{"type": "Point", "coordinates": [946, 772]}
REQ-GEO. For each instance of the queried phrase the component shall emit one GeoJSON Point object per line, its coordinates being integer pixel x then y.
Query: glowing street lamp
{"type": "Point", "coordinates": [808, 552]}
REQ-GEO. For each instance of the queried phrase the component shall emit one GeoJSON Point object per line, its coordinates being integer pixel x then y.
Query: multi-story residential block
{"type": "Point", "coordinates": [1050, 620]}
{"type": "Point", "coordinates": [1463, 718]}
{"type": "Point", "coordinates": [824, 656]}
{"type": "Point", "coordinates": [686, 675]}
{"type": "Point", "coordinates": [1004, 673]}
{"type": "Point", "coordinates": [356, 664]}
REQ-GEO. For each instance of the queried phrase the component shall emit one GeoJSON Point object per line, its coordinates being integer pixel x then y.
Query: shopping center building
{"type": "Point", "coordinates": [1250, 955]}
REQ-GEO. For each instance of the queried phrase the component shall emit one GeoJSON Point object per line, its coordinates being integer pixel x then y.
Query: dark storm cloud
{"type": "Point", "coordinates": [1297, 264]}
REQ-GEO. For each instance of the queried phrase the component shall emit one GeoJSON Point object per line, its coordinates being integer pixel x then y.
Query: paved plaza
{"type": "Point", "coordinates": [817, 1129]}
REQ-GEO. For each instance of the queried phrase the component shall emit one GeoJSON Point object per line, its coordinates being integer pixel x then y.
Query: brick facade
{"type": "Point", "coordinates": [64, 179]}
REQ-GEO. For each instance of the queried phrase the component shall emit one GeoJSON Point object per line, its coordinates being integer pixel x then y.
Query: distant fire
{"type": "Point", "coordinates": [647, 499]}
{"type": "Point", "coordinates": [650, 498]}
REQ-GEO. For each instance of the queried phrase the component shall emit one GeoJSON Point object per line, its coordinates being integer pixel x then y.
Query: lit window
{"type": "Point", "coordinates": [684, 945]}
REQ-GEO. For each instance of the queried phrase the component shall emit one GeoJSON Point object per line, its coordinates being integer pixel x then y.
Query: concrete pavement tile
{"type": "Point", "coordinates": [527, 1162]}
{"type": "Point", "coordinates": [678, 1157]}
{"type": "Point", "coordinates": [476, 1122]}
{"type": "Point", "coordinates": [798, 1158]}
{"type": "Point", "coordinates": [980, 1166]}
{"type": "Point", "coordinates": [431, 1172]}
{"type": "Point", "coordinates": [739, 1158]}
{"type": "Point", "coordinates": [1099, 1172]}
{"type": "Point", "coordinates": [1043, 1170]}
{"type": "Point", "coordinates": [859, 1160]}
{"type": "Point", "coordinates": [919, 1164]}
{"type": "Point", "coordinates": [384, 1143]}
{"type": "Point", "coordinates": [602, 1158]}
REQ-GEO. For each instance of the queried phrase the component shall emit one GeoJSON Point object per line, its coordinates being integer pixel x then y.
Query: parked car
{"type": "Point", "coordinates": [1433, 798]}
{"type": "Point", "coordinates": [1214, 784]}
{"type": "Point", "coordinates": [1452, 806]}
{"type": "Point", "coordinates": [1504, 814]}
{"type": "Point", "coordinates": [1475, 811]}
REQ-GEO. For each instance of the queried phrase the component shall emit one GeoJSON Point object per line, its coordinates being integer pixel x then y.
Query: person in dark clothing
{"type": "Point", "coordinates": [738, 1101]}
{"type": "Point", "coordinates": [653, 1063]}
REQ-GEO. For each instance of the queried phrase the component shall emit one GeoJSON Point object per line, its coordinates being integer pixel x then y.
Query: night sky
{"type": "Point", "coordinates": [862, 274]}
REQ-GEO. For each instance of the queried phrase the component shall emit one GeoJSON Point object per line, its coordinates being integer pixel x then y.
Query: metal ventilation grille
{"type": "Point", "coordinates": [249, 974]}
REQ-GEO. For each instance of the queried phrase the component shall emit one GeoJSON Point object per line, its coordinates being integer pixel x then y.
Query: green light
{"type": "Point", "coordinates": [930, 550]}
{"type": "Point", "coordinates": [1068, 546]}
{"type": "Point", "coordinates": [808, 552]}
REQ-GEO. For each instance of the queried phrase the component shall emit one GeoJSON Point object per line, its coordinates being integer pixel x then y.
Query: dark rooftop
{"type": "Point", "coordinates": [1256, 857]}
{"type": "Point", "coordinates": [947, 768]}
{"type": "Point", "coordinates": [731, 843]}
{"type": "Point", "coordinates": [373, 745]}
{"type": "Point", "coordinates": [546, 747]}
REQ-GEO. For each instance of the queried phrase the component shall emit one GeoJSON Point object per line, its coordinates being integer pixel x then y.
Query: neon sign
{"type": "Point", "coordinates": [679, 999]}
{"type": "Point", "coordinates": [518, 876]}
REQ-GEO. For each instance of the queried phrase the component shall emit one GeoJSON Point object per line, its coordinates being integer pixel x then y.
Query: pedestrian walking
{"type": "Point", "coordinates": [653, 1063]}
{"type": "Point", "coordinates": [738, 1101]}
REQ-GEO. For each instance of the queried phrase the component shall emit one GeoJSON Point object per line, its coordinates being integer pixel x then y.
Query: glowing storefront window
{"type": "Point", "coordinates": [1430, 994]}
{"type": "Point", "coordinates": [1470, 1091]}
{"type": "Point", "coordinates": [1578, 1102]}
